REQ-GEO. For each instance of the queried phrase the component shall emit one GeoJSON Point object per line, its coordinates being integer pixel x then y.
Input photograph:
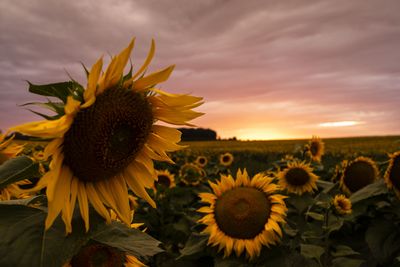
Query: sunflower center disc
{"type": "Point", "coordinates": [394, 174]}
{"type": "Point", "coordinates": [226, 158]}
{"type": "Point", "coordinates": [98, 255]}
{"type": "Point", "coordinates": [297, 176]}
{"type": "Point", "coordinates": [242, 212]}
{"type": "Point", "coordinates": [106, 137]}
{"type": "Point", "coordinates": [358, 175]}
{"type": "Point", "coordinates": [314, 148]}
{"type": "Point", "coordinates": [164, 180]}
{"type": "Point", "coordinates": [202, 160]}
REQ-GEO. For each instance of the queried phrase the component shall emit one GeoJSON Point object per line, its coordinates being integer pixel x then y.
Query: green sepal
{"type": "Point", "coordinates": [59, 90]}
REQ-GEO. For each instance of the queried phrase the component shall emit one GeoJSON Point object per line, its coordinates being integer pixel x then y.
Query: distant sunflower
{"type": "Point", "coordinates": [316, 148]}
{"type": "Point", "coordinates": [98, 254]}
{"type": "Point", "coordinates": [226, 159]}
{"type": "Point", "coordinates": [243, 214]}
{"type": "Point", "coordinates": [392, 174]}
{"type": "Point", "coordinates": [9, 150]}
{"type": "Point", "coordinates": [298, 178]}
{"type": "Point", "coordinates": [342, 205]}
{"type": "Point", "coordinates": [165, 179]}
{"type": "Point", "coordinates": [191, 174]}
{"type": "Point", "coordinates": [108, 140]}
{"type": "Point", "coordinates": [201, 161]}
{"type": "Point", "coordinates": [357, 174]}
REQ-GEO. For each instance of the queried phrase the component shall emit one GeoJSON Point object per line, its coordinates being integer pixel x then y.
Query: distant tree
{"type": "Point", "coordinates": [198, 134]}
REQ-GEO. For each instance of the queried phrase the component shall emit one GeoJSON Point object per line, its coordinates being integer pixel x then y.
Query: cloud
{"type": "Point", "coordinates": [304, 62]}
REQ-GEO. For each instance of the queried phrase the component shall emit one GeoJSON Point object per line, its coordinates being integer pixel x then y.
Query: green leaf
{"type": "Point", "coordinates": [369, 191]}
{"type": "Point", "coordinates": [311, 251]}
{"type": "Point", "coordinates": [325, 185]}
{"type": "Point", "coordinates": [130, 240]}
{"type": "Point", "coordinates": [340, 262]}
{"type": "Point", "coordinates": [53, 106]}
{"type": "Point", "coordinates": [315, 216]}
{"type": "Point", "coordinates": [383, 238]}
{"type": "Point", "coordinates": [17, 169]}
{"type": "Point", "coordinates": [24, 242]}
{"type": "Point", "coordinates": [230, 262]}
{"type": "Point", "coordinates": [301, 203]}
{"type": "Point", "coordinates": [342, 251]}
{"type": "Point", "coordinates": [60, 90]}
{"type": "Point", "coordinates": [196, 244]}
{"type": "Point", "coordinates": [40, 199]}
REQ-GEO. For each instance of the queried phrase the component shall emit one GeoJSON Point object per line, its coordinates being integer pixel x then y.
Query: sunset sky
{"type": "Point", "coordinates": [266, 69]}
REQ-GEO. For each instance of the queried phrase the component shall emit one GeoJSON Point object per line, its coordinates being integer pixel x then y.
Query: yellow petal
{"type": "Point", "coordinates": [96, 202]}
{"type": "Point", "coordinates": [153, 79]}
{"type": "Point", "coordinates": [83, 204]}
{"type": "Point", "coordinates": [90, 92]}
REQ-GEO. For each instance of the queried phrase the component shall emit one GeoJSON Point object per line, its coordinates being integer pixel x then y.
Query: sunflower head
{"type": "Point", "coordinates": [342, 205]}
{"type": "Point", "coordinates": [98, 254]}
{"type": "Point", "coordinates": [243, 214]}
{"type": "Point", "coordinates": [357, 174]}
{"type": "Point", "coordinates": [316, 148]}
{"type": "Point", "coordinates": [165, 179]}
{"type": "Point", "coordinates": [392, 174]}
{"type": "Point", "coordinates": [226, 159]}
{"type": "Point", "coordinates": [201, 161]}
{"type": "Point", "coordinates": [191, 174]}
{"type": "Point", "coordinates": [297, 178]}
{"type": "Point", "coordinates": [105, 139]}
{"type": "Point", "coordinates": [8, 149]}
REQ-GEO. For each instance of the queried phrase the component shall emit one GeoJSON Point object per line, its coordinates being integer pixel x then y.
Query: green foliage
{"type": "Point", "coordinates": [24, 241]}
{"type": "Point", "coordinates": [17, 169]}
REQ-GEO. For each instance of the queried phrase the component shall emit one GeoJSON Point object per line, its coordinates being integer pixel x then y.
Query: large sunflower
{"type": "Point", "coordinates": [108, 140]}
{"type": "Point", "coordinates": [298, 178]}
{"type": "Point", "coordinates": [316, 148]}
{"type": "Point", "coordinates": [392, 174]}
{"type": "Point", "coordinates": [243, 214]}
{"type": "Point", "coordinates": [357, 174]}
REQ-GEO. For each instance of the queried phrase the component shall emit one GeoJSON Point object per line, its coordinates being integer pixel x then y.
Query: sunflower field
{"type": "Point", "coordinates": [103, 180]}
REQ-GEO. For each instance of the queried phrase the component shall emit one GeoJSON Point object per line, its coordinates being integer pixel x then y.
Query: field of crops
{"type": "Point", "coordinates": [313, 227]}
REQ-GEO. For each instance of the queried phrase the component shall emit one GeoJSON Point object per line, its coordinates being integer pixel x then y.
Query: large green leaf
{"type": "Point", "coordinates": [383, 238]}
{"type": "Point", "coordinates": [342, 261]}
{"type": "Point", "coordinates": [24, 242]}
{"type": "Point", "coordinates": [369, 191]}
{"type": "Point", "coordinates": [311, 251]}
{"type": "Point", "coordinates": [17, 169]}
{"type": "Point", "coordinates": [196, 244]}
{"type": "Point", "coordinates": [133, 241]}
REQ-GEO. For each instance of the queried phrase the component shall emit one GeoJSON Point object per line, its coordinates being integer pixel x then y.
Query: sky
{"type": "Point", "coordinates": [266, 69]}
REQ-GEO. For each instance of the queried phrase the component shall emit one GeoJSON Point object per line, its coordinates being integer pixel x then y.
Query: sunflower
{"type": "Point", "coordinates": [316, 148]}
{"type": "Point", "coordinates": [191, 174]}
{"type": "Point", "coordinates": [165, 179]}
{"type": "Point", "coordinates": [97, 254]}
{"type": "Point", "coordinates": [107, 139]}
{"type": "Point", "coordinates": [297, 178]}
{"type": "Point", "coordinates": [8, 151]}
{"type": "Point", "coordinates": [201, 161]}
{"type": "Point", "coordinates": [357, 174]}
{"type": "Point", "coordinates": [392, 174]}
{"type": "Point", "coordinates": [243, 214]}
{"type": "Point", "coordinates": [342, 205]}
{"type": "Point", "coordinates": [226, 159]}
